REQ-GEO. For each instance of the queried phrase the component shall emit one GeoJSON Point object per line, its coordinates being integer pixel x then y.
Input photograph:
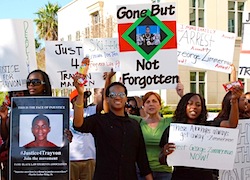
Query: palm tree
{"type": "Point", "coordinates": [37, 44]}
{"type": "Point", "coordinates": [47, 22]}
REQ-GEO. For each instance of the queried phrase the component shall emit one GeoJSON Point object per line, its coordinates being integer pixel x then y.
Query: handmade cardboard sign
{"type": "Point", "coordinates": [147, 44]}
{"type": "Point", "coordinates": [205, 48]}
{"type": "Point", "coordinates": [63, 60]}
{"type": "Point", "coordinates": [244, 62]}
{"type": "Point", "coordinates": [17, 53]}
{"type": "Point", "coordinates": [202, 146]}
{"type": "Point", "coordinates": [242, 159]}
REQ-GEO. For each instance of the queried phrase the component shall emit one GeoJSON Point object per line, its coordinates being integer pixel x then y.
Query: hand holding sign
{"type": "Point", "coordinates": [80, 88]}
{"type": "Point", "coordinates": [169, 148]}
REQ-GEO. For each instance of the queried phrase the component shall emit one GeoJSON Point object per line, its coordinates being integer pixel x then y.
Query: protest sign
{"type": "Point", "coordinates": [147, 44]}
{"type": "Point", "coordinates": [242, 159]}
{"type": "Point", "coordinates": [244, 61]}
{"type": "Point", "coordinates": [38, 146]}
{"type": "Point", "coordinates": [202, 146]}
{"type": "Point", "coordinates": [63, 59]}
{"type": "Point", "coordinates": [17, 53]}
{"type": "Point", "coordinates": [205, 48]}
{"type": "Point", "coordinates": [103, 54]}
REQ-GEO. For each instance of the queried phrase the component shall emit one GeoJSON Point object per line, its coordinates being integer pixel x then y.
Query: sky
{"type": "Point", "coordinates": [25, 9]}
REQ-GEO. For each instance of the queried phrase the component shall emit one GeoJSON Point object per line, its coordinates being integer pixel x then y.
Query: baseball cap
{"type": "Point", "coordinates": [74, 94]}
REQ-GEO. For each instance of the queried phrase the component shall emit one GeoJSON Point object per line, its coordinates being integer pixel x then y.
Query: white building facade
{"type": "Point", "coordinates": [97, 19]}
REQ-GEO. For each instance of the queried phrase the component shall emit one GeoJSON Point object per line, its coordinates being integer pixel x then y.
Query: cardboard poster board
{"type": "Point", "coordinates": [205, 48]}
{"type": "Point", "coordinates": [63, 59]}
{"type": "Point", "coordinates": [38, 146]}
{"type": "Point", "coordinates": [148, 47]}
{"type": "Point", "coordinates": [202, 146]}
{"type": "Point", "coordinates": [17, 53]}
{"type": "Point", "coordinates": [242, 159]}
{"type": "Point", "coordinates": [103, 54]}
{"type": "Point", "coordinates": [244, 62]}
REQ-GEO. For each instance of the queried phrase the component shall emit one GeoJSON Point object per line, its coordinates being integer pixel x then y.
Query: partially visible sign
{"type": "Point", "coordinates": [63, 59]}
{"type": "Point", "coordinates": [17, 53]}
{"type": "Point", "coordinates": [103, 54]}
{"type": "Point", "coordinates": [244, 61]}
{"type": "Point", "coordinates": [241, 167]}
{"type": "Point", "coordinates": [202, 146]}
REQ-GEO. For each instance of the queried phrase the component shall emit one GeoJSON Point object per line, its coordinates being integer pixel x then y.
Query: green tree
{"type": "Point", "coordinates": [37, 44]}
{"type": "Point", "coordinates": [47, 22]}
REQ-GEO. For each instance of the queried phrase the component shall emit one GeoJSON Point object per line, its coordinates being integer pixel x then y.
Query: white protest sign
{"type": "Point", "coordinates": [244, 61]}
{"type": "Point", "coordinates": [205, 48]}
{"type": "Point", "coordinates": [17, 53]}
{"type": "Point", "coordinates": [63, 59]}
{"type": "Point", "coordinates": [148, 46]}
{"type": "Point", "coordinates": [202, 146]}
{"type": "Point", "coordinates": [103, 54]}
{"type": "Point", "coordinates": [242, 159]}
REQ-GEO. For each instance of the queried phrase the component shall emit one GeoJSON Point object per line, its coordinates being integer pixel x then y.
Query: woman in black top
{"type": "Point", "coordinates": [192, 110]}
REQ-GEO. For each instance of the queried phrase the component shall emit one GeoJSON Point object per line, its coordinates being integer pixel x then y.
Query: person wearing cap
{"type": "Point", "coordinates": [82, 147]}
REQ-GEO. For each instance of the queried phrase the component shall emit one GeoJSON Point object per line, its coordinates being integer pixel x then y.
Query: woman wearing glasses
{"type": "Point", "coordinates": [131, 107]}
{"type": "Point", "coordinates": [38, 83]}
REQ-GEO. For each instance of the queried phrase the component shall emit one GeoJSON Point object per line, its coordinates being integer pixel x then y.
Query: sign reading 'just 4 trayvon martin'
{"type": "Point", "coordinates": [147, 43]}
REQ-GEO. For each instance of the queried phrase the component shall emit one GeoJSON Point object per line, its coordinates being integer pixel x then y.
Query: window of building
{"type": "Point", "coordinates": [197, 82]}
{"type": "Point", "coordinates": [95, 18]}
{"type": "Point", "coordinates": [78, 35]}
{"type": "Point", "coordinates": [69, 37]}
{"type": "Point", "coordinates": [196, 12]}
{"type": "Point", "coordinates": [87, 32]}
{"type": "Point", "coordinates": [96, 27]}
{"type": "Point", "coordinates": [109, 26]}
{"type": "Point", "coordinates": [235, 12]}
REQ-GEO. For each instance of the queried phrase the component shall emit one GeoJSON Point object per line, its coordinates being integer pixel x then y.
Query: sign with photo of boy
{"type": "Point", "coordinates": [38, 146]}
{"type": "Point", "coordinates": [148, 46]}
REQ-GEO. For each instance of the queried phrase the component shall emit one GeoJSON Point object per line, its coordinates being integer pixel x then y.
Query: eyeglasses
{"type": "Point", "coordinates": [130, 106]}
{"type": "Point", "coordinates": [114, 95]}
{"type": "Point", "coordinates": [35, 82]}
{"type": "Point", "coordinates": [248, 100]}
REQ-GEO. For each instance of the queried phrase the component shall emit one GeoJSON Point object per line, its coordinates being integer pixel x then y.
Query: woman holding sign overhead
{"type": "Point", "coordinates": [191, 109]}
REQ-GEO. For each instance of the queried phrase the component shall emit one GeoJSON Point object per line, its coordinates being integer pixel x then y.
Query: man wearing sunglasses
{"type": "Point", "coordinates": [118, 139]}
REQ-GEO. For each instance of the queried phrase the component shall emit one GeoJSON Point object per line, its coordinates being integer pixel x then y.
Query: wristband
{"type": "Point", "coordinates": [78, 105]}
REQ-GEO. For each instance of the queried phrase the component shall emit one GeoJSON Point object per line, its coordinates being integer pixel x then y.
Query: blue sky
{"type": "Point", "coordinates": [25, 9]}
{"type": "Point", "coordinates": [22, 9]}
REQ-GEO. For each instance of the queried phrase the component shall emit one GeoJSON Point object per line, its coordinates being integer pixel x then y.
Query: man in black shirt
{"type": "Point", "coordinates": [118, 139]}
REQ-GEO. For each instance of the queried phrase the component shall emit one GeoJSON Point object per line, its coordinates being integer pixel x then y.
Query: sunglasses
{"type": "Point", "coordinates": [248, 100]}
{"type": "Point", "coordinates": [35, 82]}
{"type": "Point", "coordinates": [130, 106]}
{"type": "Point", "coordinates": [114, 95]}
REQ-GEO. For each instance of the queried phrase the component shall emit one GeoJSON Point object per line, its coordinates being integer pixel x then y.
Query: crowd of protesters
{"type": "Point", "coordinates": [121, 137]}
